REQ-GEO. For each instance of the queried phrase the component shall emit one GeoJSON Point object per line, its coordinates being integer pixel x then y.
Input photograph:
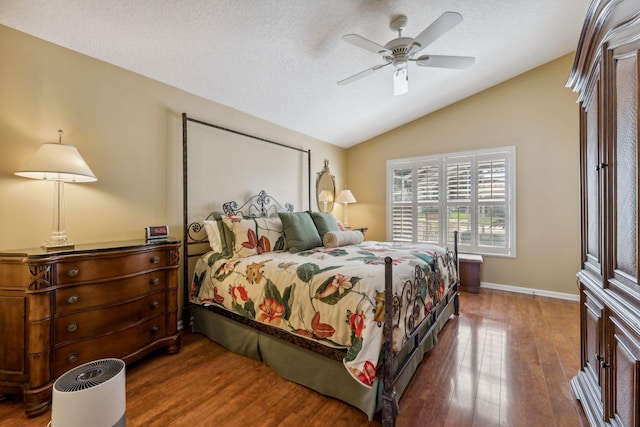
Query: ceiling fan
{"type": "Point", "coordinates": [402, 50]}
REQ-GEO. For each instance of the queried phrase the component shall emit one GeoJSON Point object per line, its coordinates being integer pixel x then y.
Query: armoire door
{"type": "Point", "coordinates": [592, 313]}
{"type": "Point", "coordinates": [625, 373]}
{"type": "Point", "coordinates": [623, 342]}
{"type": "Point", "coordinates": [622, 64]}
{"type": "Point", "coordinates": [592, 185]}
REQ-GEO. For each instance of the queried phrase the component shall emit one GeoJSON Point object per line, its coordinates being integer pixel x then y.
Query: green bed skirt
{"type": "Point", "coordinates": [327, 376]}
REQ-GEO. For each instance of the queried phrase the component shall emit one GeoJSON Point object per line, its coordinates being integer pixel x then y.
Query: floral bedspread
{"type": "Point", "coordinates": [334, 296]}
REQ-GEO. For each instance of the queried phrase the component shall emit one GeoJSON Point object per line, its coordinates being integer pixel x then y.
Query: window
{"type": "Point", "coordinates": [428, 198]}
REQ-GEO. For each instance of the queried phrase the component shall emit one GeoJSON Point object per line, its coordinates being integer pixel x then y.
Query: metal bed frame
{"type": "Point", "coordinates": [263, 204]}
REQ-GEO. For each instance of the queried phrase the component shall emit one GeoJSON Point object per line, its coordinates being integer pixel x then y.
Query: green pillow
{"type": "Point", "coordinates": [300, 231]}
{"type": "Point", "coordinates": [325, 222]}
{"type": "Point", "coordinates": [226, 236]}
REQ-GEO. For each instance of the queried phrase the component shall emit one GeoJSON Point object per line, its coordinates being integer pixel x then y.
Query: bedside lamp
{"type": "Point", "coordinates": [345, 197]}
{"type": "Point", "coordinates": [59, 163]}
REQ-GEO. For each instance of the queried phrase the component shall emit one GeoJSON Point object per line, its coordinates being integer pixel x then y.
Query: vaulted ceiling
{"type": "Point", "coordinates": [279, 60]}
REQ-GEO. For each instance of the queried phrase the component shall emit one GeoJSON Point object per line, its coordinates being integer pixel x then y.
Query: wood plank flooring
{"type": "Point", "coordinates": [510, 359]}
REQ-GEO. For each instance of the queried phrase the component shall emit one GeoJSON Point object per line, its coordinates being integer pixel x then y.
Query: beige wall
{"type": "Point", "coordinates": [129, 130]}
{"type": "Point", "coordinates": [537, 114]}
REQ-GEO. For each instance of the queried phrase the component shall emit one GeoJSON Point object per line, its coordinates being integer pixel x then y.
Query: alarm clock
{"type": "Point", "coordinates": [157, 232]}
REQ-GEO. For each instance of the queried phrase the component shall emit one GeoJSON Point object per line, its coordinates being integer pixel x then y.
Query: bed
{"type": "Point", "coordinates": [350, 321]}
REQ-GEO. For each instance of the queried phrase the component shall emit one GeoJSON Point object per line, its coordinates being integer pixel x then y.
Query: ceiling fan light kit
{"type": "Point", "coordinates": [402, 50]}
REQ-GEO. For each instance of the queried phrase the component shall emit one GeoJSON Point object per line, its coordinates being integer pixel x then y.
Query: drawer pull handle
{"type": "Point", "coordinates": [155, 260]}
{"type": "Point", "coordinates": [155, 303]}
{"type": "Point", "coordinates": [73, 298]}
{"type": "Point", "coordinates": [72, 358]}
{"type": "Point", "coordinates": [154, 281]}
{"type": "Point", "coordinates": [73, 272]}
{"type": "Point", "coordinates": [155, 328]}
{"type": "Point", "coordinates": [72, 327]}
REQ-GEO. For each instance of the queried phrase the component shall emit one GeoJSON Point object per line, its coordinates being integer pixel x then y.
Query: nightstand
{"type": "Point", "coordinates": [469, 266]}
{"type": "Point", "coordinates": [59, 310]}
{"type": "Point", "coordinates": [360, 229]}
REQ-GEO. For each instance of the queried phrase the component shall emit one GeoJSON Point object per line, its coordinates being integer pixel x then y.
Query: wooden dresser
{"type": "Point", "coordinates": [59, 310]}
{"type": "Point", "coordinates": [606, 74]}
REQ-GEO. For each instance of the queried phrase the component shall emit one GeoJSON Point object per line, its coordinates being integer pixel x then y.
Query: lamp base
{"type": "Point", "coordinates": [54, 248]}
{"type": "Point", "coordinates": [57, 242]}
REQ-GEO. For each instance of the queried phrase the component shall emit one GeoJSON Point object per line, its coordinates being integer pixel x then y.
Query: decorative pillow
{"type": "Point", "coordinates": [340, 226]}
{"type": "Point", "coordinates": [213, 234]}
{"type": "Point", "coordinates": [226, 238]}
{"type": "Point", "coordinates": [300, 231]}
{"type": "Point", "coordinates": [343, 238]}
{"type": "Point", "coordinates": [252, 236]}
{"type": "Point", "coordinates": [324, 222]}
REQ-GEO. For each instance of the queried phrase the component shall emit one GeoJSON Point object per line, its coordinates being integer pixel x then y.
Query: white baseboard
{"type": "Point", "coordinates": [530, 291]}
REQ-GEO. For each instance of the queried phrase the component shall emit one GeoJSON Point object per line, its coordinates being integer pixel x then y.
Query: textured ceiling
{"type": "Point", "coordinates": [279, 60]}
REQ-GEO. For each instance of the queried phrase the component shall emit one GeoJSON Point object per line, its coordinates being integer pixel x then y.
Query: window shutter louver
{"type": "Point", "coordinates": [403, 223]}
{"type": "Point", "coordinates": [428, 203]}
{"type": "Point", "coordinates": [402, 216]}
{"type": "Point", "coordinates": [459, 181]}
{"type": "Point", "coordinates": [492, 202]}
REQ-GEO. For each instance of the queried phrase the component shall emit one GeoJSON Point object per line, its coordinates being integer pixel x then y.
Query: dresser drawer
{"type": "Point", "coordinates": [118, 345]}
{"type": "Point", "coordinates": [75, 298]}
{"type": "Point", "coordinates": [84, 269]}
{"type": "Point", "coordinates": [87, 324]}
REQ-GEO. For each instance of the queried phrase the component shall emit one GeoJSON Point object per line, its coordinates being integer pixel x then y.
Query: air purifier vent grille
{"type": "Point", "coordinates": [89, 375]}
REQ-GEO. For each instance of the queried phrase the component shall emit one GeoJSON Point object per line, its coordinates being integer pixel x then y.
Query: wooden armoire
{"type": "Point", "coordinates": [606, 76]}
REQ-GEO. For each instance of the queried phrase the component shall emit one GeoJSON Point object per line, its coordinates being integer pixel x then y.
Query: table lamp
{"type": "Point", "coordinates": [345, 197]}
{"type": "Point", "coordinates": [59, 163]}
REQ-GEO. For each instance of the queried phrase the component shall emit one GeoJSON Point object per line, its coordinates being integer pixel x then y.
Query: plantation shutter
{"type": "Point", "coordinates": [428, 202]}
{"type": "Point", "coordinates": [473, 192]}
{"type": "Point", "coordinates": [402, 204]}
{"type": "Point", "coordinates": [492, 201]}
{"type": "Point", "coordinates": [459, 199]}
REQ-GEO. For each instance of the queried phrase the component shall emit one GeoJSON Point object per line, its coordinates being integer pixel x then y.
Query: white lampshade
{"type": "Point", "coordinates": [346, 196]}
{"type": "Point", "coordinates": [325, 196]}
{"type": "Point", "coordinates": [57, 162]}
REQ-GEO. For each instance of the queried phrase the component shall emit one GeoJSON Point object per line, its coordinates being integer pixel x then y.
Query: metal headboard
{"type": "Point", "coordinates": [260, 205]}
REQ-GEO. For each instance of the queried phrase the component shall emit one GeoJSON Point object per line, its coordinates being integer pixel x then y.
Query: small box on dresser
{"type": "Point", "coordinates": [59, 310]}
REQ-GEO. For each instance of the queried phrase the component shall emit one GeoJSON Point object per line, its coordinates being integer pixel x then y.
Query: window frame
{"type": "Point", "coordinates": [508, 154]}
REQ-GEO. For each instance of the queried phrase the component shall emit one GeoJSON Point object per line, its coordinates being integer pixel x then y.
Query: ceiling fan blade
{"type": "Point", "coordinates": [365, 44]}
{"type": "Point", "coordinates": [444, 23]}
{"type": "Point", "coordinates": [361, 74]}
{"type": "Point", "coordinates": [444, 61]}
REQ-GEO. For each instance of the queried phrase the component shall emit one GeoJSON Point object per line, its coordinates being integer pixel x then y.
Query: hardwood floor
{"type": "Point", "coordinates": [510, 359]}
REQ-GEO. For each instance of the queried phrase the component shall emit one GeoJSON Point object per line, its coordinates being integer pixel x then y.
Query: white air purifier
{"type": "Point", "coordinates": [90, 395]}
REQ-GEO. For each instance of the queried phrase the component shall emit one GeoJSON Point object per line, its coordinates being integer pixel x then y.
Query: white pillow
{"type": "Point", "coordinates": [213, 234]}
{"type": "Point", "coordinates": [334, 239]}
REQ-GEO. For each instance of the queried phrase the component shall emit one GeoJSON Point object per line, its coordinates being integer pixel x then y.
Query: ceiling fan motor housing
{"type": "Point", "coordinates": [400, 50]}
